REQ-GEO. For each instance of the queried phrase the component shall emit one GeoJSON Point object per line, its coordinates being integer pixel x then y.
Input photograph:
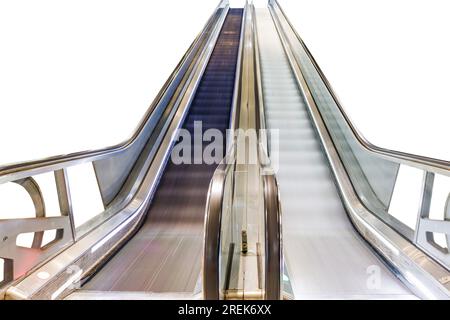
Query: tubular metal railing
{"type": "Point", "coordinates": [126, 176]}
{"type": "Point", "coordinates": [367, 177]}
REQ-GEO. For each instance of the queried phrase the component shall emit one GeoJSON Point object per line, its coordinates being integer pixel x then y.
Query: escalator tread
{"type": "Point", "coordinates": [165, 255]}
{"type": "Point", "coordinates": [325, 257]}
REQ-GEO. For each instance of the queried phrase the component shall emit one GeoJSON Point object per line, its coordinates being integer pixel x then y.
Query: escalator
{"type": "Point", "coordinates": [325, 257]}
{"type": "Point", "coordinates": [165, 254]}
{"type": "Point", "coordinates": [300, 211]}
{"type": "Point", "coordinates": [340, 238]}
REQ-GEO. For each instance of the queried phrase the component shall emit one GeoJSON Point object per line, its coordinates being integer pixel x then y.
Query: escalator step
{"type": "Point", "coordinates": [165, 254]}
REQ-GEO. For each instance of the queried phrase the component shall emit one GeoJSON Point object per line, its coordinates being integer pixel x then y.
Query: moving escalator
{"type": "Point", "coordinates": [297, 211]}
{"type": "Point", "coordinates": [149, 240]}
{"type": "Point", "coordinates": [340, 240]}
{"type": "Point", "coordinates": [324, 255]}
{"type": "Point", "coordinates": [165, 255]}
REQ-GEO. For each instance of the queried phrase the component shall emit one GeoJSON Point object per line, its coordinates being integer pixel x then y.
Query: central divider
{"type": "Point", "coordinates": [243, 255]}
{"type": "Point", "coordinates": [165, 255]}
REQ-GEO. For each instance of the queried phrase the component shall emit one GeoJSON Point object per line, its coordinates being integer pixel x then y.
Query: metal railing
{"type": "Point", "coordinates": [418, 161]}
{"type": "Point", "coordinates": [127, 175]}
{"type": "Point", "coordinates": [222, 232]}
{"type": "Point", "coordinates": [367, 177]}
{"type": "Point", "coordinates": [273, 222]}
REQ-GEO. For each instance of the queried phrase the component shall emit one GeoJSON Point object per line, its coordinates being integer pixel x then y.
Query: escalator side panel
{"type": "Point", "coordinates": [165, 255]}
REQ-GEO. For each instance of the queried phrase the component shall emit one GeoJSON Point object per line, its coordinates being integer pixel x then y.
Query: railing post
{"type": "Point", "coordinates": [425, 201]}
{"type": "Point", "coordinates": [64, 198]}
{"type": "Point", "coordinates": [8, 271]}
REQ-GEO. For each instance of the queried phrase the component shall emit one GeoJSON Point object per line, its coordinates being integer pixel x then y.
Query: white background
{"type": "Point", "coordinates": [389, 62]}
{"type": "Point", "coordinates": [77, 75]}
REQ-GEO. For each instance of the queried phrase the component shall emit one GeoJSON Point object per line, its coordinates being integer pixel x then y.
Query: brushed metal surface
{"type": "Point", "coordinates": [130, 295]}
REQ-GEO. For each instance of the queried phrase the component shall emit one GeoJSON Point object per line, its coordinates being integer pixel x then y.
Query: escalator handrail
{"type": "Point", "coordinates": [419, 271]}
{"type": "Point", "coordinates": [272, 205]}
{"type": "Point", "coordinates": [273, 238]}
{"type": "Point", "coordinates": [213, 227]}
{"type": "Point", "coordinates": [91, 249]}
{"type": "Point", "coordinates": [273, 264]}
{"type": "Point", "coordinates": [421, 162]}
{"type": "Point", "coordinates": [15, 171]}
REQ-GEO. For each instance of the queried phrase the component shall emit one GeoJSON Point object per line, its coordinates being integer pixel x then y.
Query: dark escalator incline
{"type": "Point", "coordinates": [165, 255]}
